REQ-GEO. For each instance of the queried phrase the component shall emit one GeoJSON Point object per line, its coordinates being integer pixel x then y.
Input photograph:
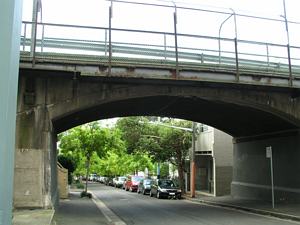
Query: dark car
{"type": "Point", "coordinates": [165, 189]}
{"type": "Point", "coordinates": [132, 182]}
{"type": "Point", "coordinates": [109, 181]}
{"type": "Point", "coordinates": [144, 186]}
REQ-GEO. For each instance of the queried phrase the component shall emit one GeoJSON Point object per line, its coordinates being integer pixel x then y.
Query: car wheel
{"type": "Point", "coordinates": [158, 195]}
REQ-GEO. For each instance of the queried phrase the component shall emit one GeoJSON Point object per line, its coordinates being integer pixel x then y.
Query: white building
{"type": "Point", "coordinates": [214, 159]}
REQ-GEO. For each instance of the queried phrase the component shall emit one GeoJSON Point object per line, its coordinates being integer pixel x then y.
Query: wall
{"type": "Point", "coordinates": [10, 23]}
{"type": "Point", "coordinates": [35, 184]}
{"type": "Point", "coordinates": [251, 174]}
{"type": "Point", "coordinates": [223, 154]}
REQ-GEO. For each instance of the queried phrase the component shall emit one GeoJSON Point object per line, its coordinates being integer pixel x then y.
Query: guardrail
{"type": "Point", "coordinates": [112, 46]}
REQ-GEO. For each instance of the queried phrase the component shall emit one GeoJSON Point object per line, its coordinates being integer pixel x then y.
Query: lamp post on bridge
{"type": "Point", "coordinates": [288, 44]}
{"type": "Point", "coordinates": [235, 42]}
{"type": "Point", "coordinates": [220, 29]}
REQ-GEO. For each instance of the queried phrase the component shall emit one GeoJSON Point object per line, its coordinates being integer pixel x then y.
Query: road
{"type": "Point", "coordinates": [138, 209]}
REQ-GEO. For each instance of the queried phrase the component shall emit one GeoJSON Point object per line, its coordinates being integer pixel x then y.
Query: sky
{"type": "Point", "coordinates": [95, 13]}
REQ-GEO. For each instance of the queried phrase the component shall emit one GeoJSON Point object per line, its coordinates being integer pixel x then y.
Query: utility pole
{"type": "Point", "coordinates": [192, 162]}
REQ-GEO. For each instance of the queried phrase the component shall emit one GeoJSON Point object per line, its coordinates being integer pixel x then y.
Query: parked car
{"type": "Point", "coordinates": [132, 183]}
{"type": "Point", "coordinates": [93, 177]}
{"type": "Point", "coordinates": [109, 181]}
{"type": "Point", "coordinates": [144, 186]}
{"type": "Point", "coordinates": [124, 183]}
{"type": "Point", "coordinates": [114, 181]}
{"type": "Point", "coordinates": [165, 188]}
{"type": "Point", "coordinates": [119, 182]}
{"type": "Point", "coordinates": [102, 180]}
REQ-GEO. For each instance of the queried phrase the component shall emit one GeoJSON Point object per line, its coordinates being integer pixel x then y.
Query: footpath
{"type": "Point", "coordinates": [283, 210]}
{"type": "Point", "coordinates": [84, 211]}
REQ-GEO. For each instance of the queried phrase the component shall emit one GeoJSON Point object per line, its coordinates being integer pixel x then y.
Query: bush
{"type": "Point", "coordinates": [85, 194]}
{"type": "Point", "coordinates": [79, 185]}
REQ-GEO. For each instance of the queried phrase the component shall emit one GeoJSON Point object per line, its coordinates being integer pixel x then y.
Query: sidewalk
{"type": "Point", "coordinates": [33, 217]}
{"type": "Point", "coordinates": [78, 211]}
{"type": "Point", "coordinates": [290, 211]}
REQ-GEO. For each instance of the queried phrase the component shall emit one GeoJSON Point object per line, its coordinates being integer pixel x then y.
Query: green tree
{"type": "Point", "coordinates": [132, 129]}
{"type": "Point", "coordinates": [67, 162]}
{"type": "Point", "coordinates": [83, 141]}
{"type": "Point", "coordinates": [176, 143]}
{"type": "Point", "coordinates": [168, 142]}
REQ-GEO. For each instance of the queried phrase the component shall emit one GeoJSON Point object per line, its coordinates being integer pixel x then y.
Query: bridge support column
{"type": "Point", "coordinates": [251, 168]}
{"type": "Point", "coordinates": [10, 23]}
{"type": "Point", "coordinates": [35, 165]}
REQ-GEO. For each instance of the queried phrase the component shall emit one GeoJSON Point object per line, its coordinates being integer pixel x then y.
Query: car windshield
{"type": "Point", "coordinates": [147, 181]}
{"type": "Point", "coordinates": [166, 184]}
{"type": "Point", "coordinates": [122, 178]}
{"type": "Point", "coordinates": [135, 179]}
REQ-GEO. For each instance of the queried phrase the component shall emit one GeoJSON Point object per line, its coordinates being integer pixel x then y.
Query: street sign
{"type": "Point", "coordinates": [270, 156]}
{"type": "Point", "coordinates": [269, 152]}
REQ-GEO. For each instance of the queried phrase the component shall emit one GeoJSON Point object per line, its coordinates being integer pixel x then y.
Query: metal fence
{"type": "Point", "coordinates": [110, 46]}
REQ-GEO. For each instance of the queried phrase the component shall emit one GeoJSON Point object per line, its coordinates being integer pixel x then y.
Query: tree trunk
{"type": "Point", "coordinates": [87, 173]}
{"type": "Point", "coordinates": [181, 176]}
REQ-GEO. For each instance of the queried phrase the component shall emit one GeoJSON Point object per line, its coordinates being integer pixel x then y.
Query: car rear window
{"type": "Point", "coordinates": [166, 183]}
{"type": "Point", "coordinates": [135, 179]}
{"type": "Point", "coordinates": [147, 181]}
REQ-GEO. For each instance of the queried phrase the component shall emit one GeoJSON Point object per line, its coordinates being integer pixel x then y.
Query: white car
{"type": "Point", "coordinates": [119, 182]}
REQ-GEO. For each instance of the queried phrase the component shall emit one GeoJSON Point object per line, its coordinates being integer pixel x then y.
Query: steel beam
{"type": "Point", "coordinates": [10, 23]}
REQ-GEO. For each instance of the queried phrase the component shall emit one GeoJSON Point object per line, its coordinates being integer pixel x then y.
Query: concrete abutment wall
{"type": "Point", "coordinates": [252, 170]}
{"type": "Point", "coordinates": [35, 182]}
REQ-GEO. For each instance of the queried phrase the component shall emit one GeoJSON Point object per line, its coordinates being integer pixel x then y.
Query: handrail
{"type": "Point", "coordinates": [197, 55]}
{"type": "Point", "coordinates": [159, 32]}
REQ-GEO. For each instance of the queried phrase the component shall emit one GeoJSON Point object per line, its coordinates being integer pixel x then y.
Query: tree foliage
{"type": "Point", "coordinates": [164, 142]}
{"type": "Point", "coordinates": [132, 145]}
{"type": "Point", "coordinates": [83, 142]}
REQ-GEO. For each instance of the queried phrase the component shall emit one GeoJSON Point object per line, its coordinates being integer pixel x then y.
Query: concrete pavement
{"type": "Point", "coordinates": [33, 217]}
{"type": "Point", "coordinates": [283, 210]}
{"type": "Point", "coordinates": [78, 211]}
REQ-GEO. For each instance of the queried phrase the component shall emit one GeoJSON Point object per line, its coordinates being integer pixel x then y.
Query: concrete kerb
{"type": "Point", "coordinates": [247, 209]}
{"type": "Point", "coordinates": [111, 217]}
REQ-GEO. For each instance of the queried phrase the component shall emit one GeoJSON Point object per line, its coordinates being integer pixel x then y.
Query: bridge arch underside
{"type": "Point", "coordinates": [236, 120]}
{"type": "Point", "coordinates": [256, 116]}
{"type": "Point", "coordinates": [253, 130]}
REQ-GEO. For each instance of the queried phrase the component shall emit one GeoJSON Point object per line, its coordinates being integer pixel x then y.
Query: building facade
{"type": "Point", "coordinates": [214, 160]}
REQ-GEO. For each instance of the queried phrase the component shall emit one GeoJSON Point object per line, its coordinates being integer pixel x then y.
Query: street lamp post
{"type": "Point", "coordinates": [288, 44]}
{"type": "Point", "coordinates": [220, 28]}
{"type": "Point", "coordinates": [219, 40]}
{"type": "Point", "coordinates": [192, 162]}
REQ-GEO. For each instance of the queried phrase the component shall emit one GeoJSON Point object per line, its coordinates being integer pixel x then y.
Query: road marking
{"type": "Point", "coordinates": [109, 215]}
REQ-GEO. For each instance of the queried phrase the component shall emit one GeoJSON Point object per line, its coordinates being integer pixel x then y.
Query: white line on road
{"type": "Point", "coordinates": [109, 215]}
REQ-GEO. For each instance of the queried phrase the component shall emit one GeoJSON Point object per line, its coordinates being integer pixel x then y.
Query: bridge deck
{"type": "Point", "coordinates": [129, 59]}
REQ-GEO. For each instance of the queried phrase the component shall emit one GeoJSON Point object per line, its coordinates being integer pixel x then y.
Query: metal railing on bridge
{"type": "Point", "coordinates": [108, 46]}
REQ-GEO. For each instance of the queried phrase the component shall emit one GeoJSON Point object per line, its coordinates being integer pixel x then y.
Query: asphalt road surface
{"type": "Point", "coordinates": [133, 208]}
